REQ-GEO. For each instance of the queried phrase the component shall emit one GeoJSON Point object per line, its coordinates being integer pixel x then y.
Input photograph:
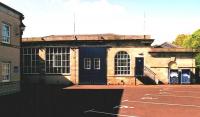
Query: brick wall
{"type": "Point", "coordinates": [10, 52]}
{"type": "Point", "coordinates": [9, 87]}
{"type": "Point", "coordinates": [158, 63]}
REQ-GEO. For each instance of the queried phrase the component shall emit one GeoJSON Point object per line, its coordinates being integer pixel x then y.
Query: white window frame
{"type": "Point", "coordinates": [122, 69]}
{"type": "Point", "coordinates": [87, 63]}
{"type": "Point", "coordinates": [5, 37]}
{"type": "Point", "coordinates": [6, 72]}
{"type": "Point", "coordinates": [31, 54]}
{"type": "Point", "coordinates": [97, 63]}
{"type": "Point", "coordinates": [50, 58]}
{"type": "Point", "coordinates": [55, 61]}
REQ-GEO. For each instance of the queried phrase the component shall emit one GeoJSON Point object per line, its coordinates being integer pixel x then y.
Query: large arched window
{"type": "Point", "coordinates": [122, 63]}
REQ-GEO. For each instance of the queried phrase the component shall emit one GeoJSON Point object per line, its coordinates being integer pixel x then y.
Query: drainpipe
{"type": "Point", "coordinates": [22, 28]}
{"type": "Point", "coordinates": [75, 67]}
{"type": "Point", "coordinates": [193, 80]}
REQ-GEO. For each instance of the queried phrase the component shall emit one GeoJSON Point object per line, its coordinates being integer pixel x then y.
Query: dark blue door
{"type": "Point", "coordinates": [92, 65]}
{"type": "Point", "coordinates": [139, 66]}
{"type": "Point", "coordinates": [185, 76]}
{"type": "Point", "coordinates": [173, 76]}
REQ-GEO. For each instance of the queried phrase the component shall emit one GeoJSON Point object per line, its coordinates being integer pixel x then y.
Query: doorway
{"type": "Point", "coordinates": [185, 76]}
{"type": "Point", "coordinates": [139, 66]}
{"type": "Point", "coordinates": [92, 65]}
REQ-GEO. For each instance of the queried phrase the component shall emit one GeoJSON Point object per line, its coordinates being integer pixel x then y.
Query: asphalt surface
{"type": "Point", "coordinates": [103, 101]}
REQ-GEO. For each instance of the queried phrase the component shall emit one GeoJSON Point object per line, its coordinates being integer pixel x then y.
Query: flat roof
{"type": "Point", "coordinates": [87, 37]}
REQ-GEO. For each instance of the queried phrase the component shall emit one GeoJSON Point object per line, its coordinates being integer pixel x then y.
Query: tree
{"type": "Point", "coordinates": [190, 41]}
{"type": "Point", "coordinates": [194, 40]}
{"type": "Point", "coordinates": [195, 43]}
{"type": "Point", "coordinates": [197, 59]}
{"type": "Point", "coordinates": [181, 40]}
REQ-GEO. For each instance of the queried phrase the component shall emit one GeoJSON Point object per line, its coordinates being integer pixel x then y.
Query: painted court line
{"type": "Point", "coordinates": [164, 93]}
{"type": "Point", "coordinates": [167, 91]}
{"type": "Point", "coordinates": [148, 98]}
{"type": "Point", "coordinates": [168, 104]}
{"type": "Point", "coordinates": [187, 91]}
{"type": "Point", "coordinates": [106, 113]}
{"type": "Point", "coordinates": [124, 100]}
{"type": "Point", "coordinates": [123, 106]}
{"type": "Point", "coordinates": [175, 96]}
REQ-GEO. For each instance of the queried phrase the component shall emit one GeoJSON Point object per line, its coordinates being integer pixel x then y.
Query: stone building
{"type": "Point", "coordinates": [11, 28]}
{"type": "Point", "coordinates": [105, 59]}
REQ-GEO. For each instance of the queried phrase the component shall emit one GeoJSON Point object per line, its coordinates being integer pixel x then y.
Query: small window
{"type": "Point", "coordinates": [97, 63]}
{"type": "Point", "coordinates": [87, 63]}
{"type": "Point", "coordinates": [57, 60]}
{"type": "Point", "coordinates": [5, 72]}
{"type": "Point", "coordinates": [5, 33]}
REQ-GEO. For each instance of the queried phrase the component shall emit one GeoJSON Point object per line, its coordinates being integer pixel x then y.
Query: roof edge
{"type": "Point", "coordinates": [87, 37]}
{"type": "Point", "coordinates": [166, 50]}
{"type": "Point", "coordinates": [12, 9]}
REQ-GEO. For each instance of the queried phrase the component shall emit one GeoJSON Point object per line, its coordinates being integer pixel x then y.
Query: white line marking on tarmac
{"type": "Point", "coordinates": [186, 91]}
{"type": "Point", "coordinates": [124, 100]}
{"type": "Point", "coordinates": [88, 111]}
{"type": "Point", "coordinates": [168, 104]}
{"type": "Point", "coordinates": [175, 96]}
{"type": "Point", "coordinates": [148, 98]}
{"type": "Point", "coordinates": [106, 113]}
{"type": "Point", "coordinates": [164, 93]}
{"type": "Point", "coordinates": [122, 106]}
{"type": "Point", "coordinates": [147, 94]}
{"type": "Point", "coordinates": [179, 91]}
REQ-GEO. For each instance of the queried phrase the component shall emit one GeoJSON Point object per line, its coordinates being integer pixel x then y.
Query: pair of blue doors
{"type": "Point", "coordinates": [176, 77]}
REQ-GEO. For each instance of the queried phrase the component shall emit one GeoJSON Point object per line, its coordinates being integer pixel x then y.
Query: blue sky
{"type": "Point", "coordinates": [165, 19]}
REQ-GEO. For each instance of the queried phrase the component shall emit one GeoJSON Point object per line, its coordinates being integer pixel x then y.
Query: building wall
{"type": "Point", "coordinates": [10, 52]}
{"type": "Point", "coordinates": [156, 62]}
{"type": "Point", "coordinates": [66, 79]}
{"type": "Point", "coordinates": [160, 64]}
{"type": "Point", "coordinates": [133, 52]}
{"type": "Point", "coordinates": [74, 65]}
{"type": "Point", "coordinates": [12, 19]}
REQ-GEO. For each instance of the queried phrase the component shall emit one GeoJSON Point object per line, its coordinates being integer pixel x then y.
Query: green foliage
{"type": "Point", "coordinates": [195, 39]}
{"type": "Point", "coordinates": [190, 41]}
{"type": "Point", "coordinates": [197, 58]}
{"type": "Point", "coordinates": [181, 40]}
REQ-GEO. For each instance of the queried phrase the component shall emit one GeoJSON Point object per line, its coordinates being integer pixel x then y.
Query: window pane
{"type": "Point", "coordinates": [5, 71]}
{"type": "Point", "coordinates": [5, 33]}
{"type": "Point", "coordinates": [58, 60]}
{"type": "Point", "coordinates": [30, 60]}
{"type": "Point", "coordinates": [87, 63]}
{"type": "Point", "coordinates": [122, 63]}
{"type": "Point", "coordinates": [97, 63]}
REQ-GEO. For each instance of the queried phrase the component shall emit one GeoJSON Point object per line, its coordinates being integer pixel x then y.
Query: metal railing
{"type": "Point", "coordinates": [149, 71]}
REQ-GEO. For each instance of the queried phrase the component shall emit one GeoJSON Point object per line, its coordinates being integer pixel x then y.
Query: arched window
{"type": "Point", "coordinates": [122, 63]}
